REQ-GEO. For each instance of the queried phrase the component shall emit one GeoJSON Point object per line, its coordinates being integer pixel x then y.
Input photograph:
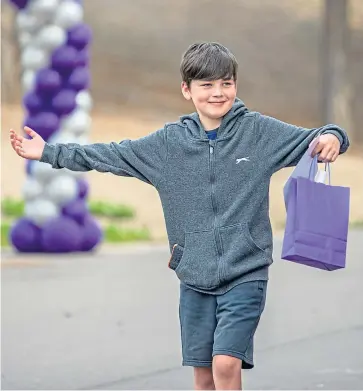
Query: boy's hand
{"type": "Point", "coordinates": [328, 148]}
{"type": "Point", "coordinates": [27, 148]}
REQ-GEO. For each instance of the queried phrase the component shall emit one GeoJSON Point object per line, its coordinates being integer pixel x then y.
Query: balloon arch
{"type": "Point", "coordinates": [54, 44]}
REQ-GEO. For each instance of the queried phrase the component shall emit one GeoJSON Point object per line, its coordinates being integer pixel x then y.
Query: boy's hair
{"type": "Point", "coordinates": [208, 61]}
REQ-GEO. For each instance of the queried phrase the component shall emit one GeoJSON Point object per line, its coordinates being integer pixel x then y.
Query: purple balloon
{"type": "Point", "coordinates": [28, 167]}
{"type": "Point", "coordinates": [64, 59]}
{"type": "Point", "coordinates": [79, 79]}
{"type": "Point", "coordinates": [44, 123]}
{"type": "Point", "coordinates": [48, 81]}
{"type": "Point", "coordinates": [92, 234]}
{"type": "Point", "coordinates": [83, 188]}
{"type": "Point", "coordinates": [76, 210]}
{"type": "Point", "coordinates": [26, 236]}
{"type": "Point", "coordinates": [61, 235]}
{"type": "Point", "coordinates": [83, 58]}
{"type": "Point", "coordinates": [20, 4]}
{"type": "Point", "coordinates": [64, 102]}
{"type": "Point", "coordinates": [79, 36]}
{"type": "Point", "coordinates": [33, 102]}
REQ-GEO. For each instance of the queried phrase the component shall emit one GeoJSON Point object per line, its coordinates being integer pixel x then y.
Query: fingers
{"type": "Point", "coordinates": [328, 154]}
{"type": "Point", "coordinates": [19, 149]}
{"type": "Point", "coordinates": [318, 148]}
{"type": "Point", "coordinates": [30, 131]}
{"type": "Point", "coordinates": [15, 137]}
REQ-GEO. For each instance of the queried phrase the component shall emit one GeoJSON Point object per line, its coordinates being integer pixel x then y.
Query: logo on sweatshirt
{"type": "Point", "coordinates": [243, 159]}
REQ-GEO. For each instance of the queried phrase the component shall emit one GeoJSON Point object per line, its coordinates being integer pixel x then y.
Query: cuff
{"type": "Point", "coordinates": [48, 154]}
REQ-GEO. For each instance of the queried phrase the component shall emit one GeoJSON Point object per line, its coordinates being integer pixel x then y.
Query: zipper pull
{"type": "Point", "coordinates": [211, 149]}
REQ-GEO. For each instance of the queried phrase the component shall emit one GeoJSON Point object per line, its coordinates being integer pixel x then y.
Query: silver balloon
{"type": "Point", "coordinates": [41, 210]}
{"type": "Point", "coordinates": [43, 9]}
{"type": "Point", "coordinates": [34, 58]}
{"type": "Point", "coordinates": [62, 189]}
{"type": "Point", "coordinates": [69, 13]}
{"type": "Point", "coordinates": [62, 137]}
{"type": "Point", "coordinates": [50, 37]}
{"type": "Point", "coordinates": [43, 172]}
{"type": "Point", "coordinates": [28, 80]}
{"type": "Point", "coordinates": [24, 39]}
{"type": "Point", "coordinates": [84, 100]}
{"type": "Point", "coordinates": [32, 189]}
{"type": "Point", "coordinates": [78, 122]}
{"type": "Point", "coordinates": [27, 22]}
{"type": "Point", "coordinates": [82, 140]}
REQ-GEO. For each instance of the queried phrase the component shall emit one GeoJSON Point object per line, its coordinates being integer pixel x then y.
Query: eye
{"type": "Point", "coordinates": [228, 83]}
{"type": "Point", "coordinates": [206, 85]}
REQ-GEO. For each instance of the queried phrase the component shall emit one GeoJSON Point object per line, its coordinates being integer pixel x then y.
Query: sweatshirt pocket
{"type": "Point", "coordinates": [196, 264]}
{"type": "Point", "coordinates": [240, 253]}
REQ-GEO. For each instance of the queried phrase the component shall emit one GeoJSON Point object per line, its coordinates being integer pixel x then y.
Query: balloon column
{"type": "Point", "coordinates": [55, 78]}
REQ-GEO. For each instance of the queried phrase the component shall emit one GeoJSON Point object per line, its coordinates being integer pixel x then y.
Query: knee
{"type": "Point", "coordinates": [226, 367]}
{"type": "Point", "coordinates": [203, 379]}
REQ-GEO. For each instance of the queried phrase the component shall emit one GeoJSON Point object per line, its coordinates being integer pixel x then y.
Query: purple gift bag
{"type": "Point", "coordinates": [316, 228]}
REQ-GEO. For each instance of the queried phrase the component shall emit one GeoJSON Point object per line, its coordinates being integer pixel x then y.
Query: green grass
{"type": "Point", "coordinates": [105, 209]}
{"type": "Point", "coordinates": [15, 208]}
{"type": "Point", "coordinates": [12, 209]}
{"type": "Point", "coordinates": [112, 234]}
{"type": "Point", "coordinates": [356, 224]}
{"type": "Point", "coordinates": [5, 229]}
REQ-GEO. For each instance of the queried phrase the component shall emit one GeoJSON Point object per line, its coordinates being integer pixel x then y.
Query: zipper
{"type": "Point", "coordinates": [212, 180]}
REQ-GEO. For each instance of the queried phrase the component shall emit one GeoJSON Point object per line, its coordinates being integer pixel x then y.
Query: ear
{"type": "Point", "coordinates": [185, 91]}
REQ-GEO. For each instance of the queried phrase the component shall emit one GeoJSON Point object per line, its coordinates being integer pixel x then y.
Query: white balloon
{"type": "Point", "coordinates": [68, 14]}
{"type": "Point", "coordinates": [27, 22]}
{"type": "Point", "coordinates": [43, 9]}
{"type": "Point", "coordinates": [28, 80]}
{"type": "Point", "coordinates": [50, 37]}
{"type": "Point", "coordinates": [62, 189]}
{"type": "Point", "coordinates": [43, 172]}
{"type": "Point", "coordinates": [34, 58]}
{"type": "Point", "coordinates": [84, 100]}
{"type": "Point", "coordinates": [78, 122]}
{"type": "Point", "coordinates": [24, 39]}
{"type": "Point", "coordinates": [62, 137]}
{"type": "Point", "coordinates": [41, 210]}
{"type": "Point", "coordinates": [32, 189]}
{"type": "Point", "coordinates": [82, 140]}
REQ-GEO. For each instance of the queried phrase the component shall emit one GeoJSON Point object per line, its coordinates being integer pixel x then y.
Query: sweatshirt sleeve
{"type": "Point", "coordinates": [284, 144]}
{"type": "Point", "coordinates": [143, 158]}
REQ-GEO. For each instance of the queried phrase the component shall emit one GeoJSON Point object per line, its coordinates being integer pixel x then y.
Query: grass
{"type": "Point", "coordinates": [112, 234]}
{"type": "Point", "coordinates": [13, 209]}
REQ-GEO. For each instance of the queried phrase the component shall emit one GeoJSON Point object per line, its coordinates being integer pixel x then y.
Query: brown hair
{"type": "Point", "coordinates": [208, 61]}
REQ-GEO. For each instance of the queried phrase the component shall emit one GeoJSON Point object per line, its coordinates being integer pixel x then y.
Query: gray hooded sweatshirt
{"type": "Point", "coordinates": [214, 193]}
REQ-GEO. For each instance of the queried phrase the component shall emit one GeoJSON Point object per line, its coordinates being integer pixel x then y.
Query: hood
{"type": "Point", "coordinates": [226, 129]}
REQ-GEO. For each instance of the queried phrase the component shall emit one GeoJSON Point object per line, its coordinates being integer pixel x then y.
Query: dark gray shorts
{"type": "Point", "coordinates": [223, 324]}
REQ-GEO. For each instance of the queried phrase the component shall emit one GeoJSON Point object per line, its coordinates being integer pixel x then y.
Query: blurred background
{"type": "Point", "coordinates": [285, 70]}
{"type": "Point", "coordinates": [79, 322]}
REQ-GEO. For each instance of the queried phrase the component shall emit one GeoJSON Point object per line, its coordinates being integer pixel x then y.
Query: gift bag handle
{"type": "Point", "coordinates": [313, 169]}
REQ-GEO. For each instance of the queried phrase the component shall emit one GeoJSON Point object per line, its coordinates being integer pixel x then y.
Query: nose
{"type": "Point", "coordinates": [217, 91]}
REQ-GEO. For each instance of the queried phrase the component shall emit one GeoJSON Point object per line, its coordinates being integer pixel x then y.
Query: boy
{"type": "Point", "coordinates": [212, 170]}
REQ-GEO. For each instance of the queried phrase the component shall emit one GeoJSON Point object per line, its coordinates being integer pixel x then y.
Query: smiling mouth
{"type": "Point", "coordinates": [218, 103]}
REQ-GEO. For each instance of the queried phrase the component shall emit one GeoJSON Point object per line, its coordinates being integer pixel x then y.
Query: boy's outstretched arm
{"type": "Point", "coordinates": [284, 144]}
{"type": "Point", "coordinates": [143, 158]}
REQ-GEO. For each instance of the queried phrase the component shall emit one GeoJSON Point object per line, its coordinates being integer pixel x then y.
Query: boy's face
{"type": "Point", "coordinates": [212, 98]}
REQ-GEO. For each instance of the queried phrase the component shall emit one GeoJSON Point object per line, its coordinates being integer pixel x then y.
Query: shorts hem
{"type": "Point", "coordinates": [196, 363]}
{"type": "Point", "coordinates": [247, 363]}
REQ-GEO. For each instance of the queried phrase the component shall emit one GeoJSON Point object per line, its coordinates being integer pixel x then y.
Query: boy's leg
{"type": "Point", "coordinates": [238, 313]}
{"type": "Point", "coordinates": [197, 313]}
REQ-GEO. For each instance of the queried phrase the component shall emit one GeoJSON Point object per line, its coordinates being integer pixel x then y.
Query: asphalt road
{"type": "Point", "coordinates": [110, 321]}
